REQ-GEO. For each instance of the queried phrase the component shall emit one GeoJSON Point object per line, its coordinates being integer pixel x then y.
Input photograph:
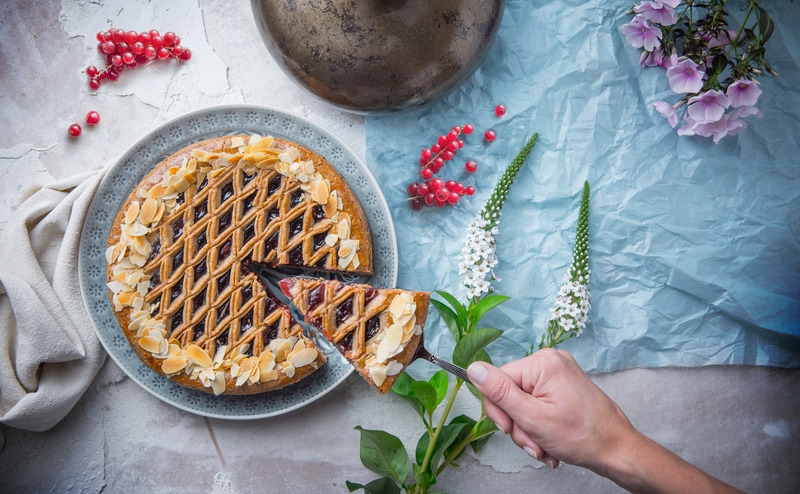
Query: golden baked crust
{"type": "Point", "coordinates": [179, 250]}
{"type": "Point", "coordinates": [359, 320]}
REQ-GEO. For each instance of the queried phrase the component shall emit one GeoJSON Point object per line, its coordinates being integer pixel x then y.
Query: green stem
{"type": "Point", "coordinates": [432, 444]}
{"type": "Point", "coordinates": [457, 451]}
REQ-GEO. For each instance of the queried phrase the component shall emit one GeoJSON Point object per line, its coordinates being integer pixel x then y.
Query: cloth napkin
{"type": "Point", "coordinates": [49, 352]}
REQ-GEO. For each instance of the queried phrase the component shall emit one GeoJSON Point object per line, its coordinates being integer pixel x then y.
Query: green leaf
{"type": "Point", "coordinates": [469, 423]}
{"type": "Point", "coordinates": [485, 305]}
{"type": "Point", "coordinates": [383, 485]}
{"type": "Point", "coordinates": [422, 478]}
{"type": "Point", "coordinates": [461, 311]}
{"type": "Point", "coordinates": [384, 454]}
{"type": "Point", "coordinates": [446, 437]}
{"type": "Point", "coordinates": [481, 433]}
{"type": "Point", "coordinates": [470, 346]}
{"type": "Point", "coordinates": [439, 382]}
{"type": "Point", "coordinates": [426, 394]}
{"type": "Point", "coordinates": [450, 319]}
{"type": "Point", "coordinates": [403, 388]}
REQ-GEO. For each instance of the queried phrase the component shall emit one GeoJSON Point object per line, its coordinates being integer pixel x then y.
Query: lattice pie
{"type": "Point", "coordinates": [377, 330]}
{"type": "Point", "coordinates": [179, 253]}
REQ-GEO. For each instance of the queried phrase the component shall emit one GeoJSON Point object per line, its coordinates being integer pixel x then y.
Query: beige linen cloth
{"type": "Point", "coordinates": [49, 352]}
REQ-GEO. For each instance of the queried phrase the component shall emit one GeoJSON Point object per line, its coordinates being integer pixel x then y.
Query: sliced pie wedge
{"type": "Point", "coordinates": [376, 329]}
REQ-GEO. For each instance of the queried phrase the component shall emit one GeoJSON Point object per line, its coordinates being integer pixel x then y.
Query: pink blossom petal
{"type": "Point", "coordinates": [685, 76]}
{"type": "Point", "coordinates": [667, 111]}
{"type": "Point", "coordinates": [657, 12]}
{"type": "Point", "coordinates": [639, 33]}
{"type": "Point", "coordinates": [744, 93]}
{"type": "Point", "coordinates": [708, 107]}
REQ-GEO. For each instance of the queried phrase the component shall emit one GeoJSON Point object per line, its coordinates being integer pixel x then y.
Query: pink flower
{"type": "Point", "coordinates": [708, 107]}
{"type": "Point", "coordinates": [746, 111]}
{"type": "Point", "coordinates": [653, 58]}
{"type": "Point", "coordinates": [657, 12]}
{"type": "Point", "coordinates": [640, 33]}
{"type": "Point", "coordinates": [721, 39]}
{"type": "Point", "coordinates": [667, 111]}
{"type": "Point", "coordinates": [727, 125]}
{"type": "Point", "coordinates": [744, 93]}
{"type": "Point", "coordinates": [684, 76]}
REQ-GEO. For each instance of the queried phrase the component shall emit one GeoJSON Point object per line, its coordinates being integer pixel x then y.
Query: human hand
{"type": "Point", "coordinates": [552, 409]}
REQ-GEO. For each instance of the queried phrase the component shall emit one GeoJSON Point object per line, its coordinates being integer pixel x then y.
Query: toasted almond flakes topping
{"type": "Point", "coordinates": [173, 365]}
{"type": "Point", "coordinates": [303, 357]}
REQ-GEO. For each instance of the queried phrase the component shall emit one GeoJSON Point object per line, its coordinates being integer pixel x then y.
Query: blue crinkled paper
{"type": "Point", "coordinates": [694, 246]}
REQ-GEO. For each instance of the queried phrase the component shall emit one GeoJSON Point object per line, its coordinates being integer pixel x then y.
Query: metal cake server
{"type": "Point", "coordinates": [424, 354]}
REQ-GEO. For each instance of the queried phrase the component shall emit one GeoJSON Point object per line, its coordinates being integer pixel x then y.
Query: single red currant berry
{"type": "Point", "coordinates": [437, 184]}
{"type": "Point", "coordinates": [430, 199]}
{"type": "Point", "coordinates": [101, 47]}
{"type": "Point", "coordinates": [153, 33]}
{"type": "Point", "coordinates": [436, 149]}
{"type": "Point", "coordinates": [74, 130]}
{"type": "Point", "coordinates": [177, 40]}
{"type": "Point", "coordinates": [94, 83]}
{"type": "Point", "coordinates": [435, 167]}
{"type": "Point", "coordinates": [452, 135]}
{"type": "Point", "coordinates": [162, 53]}
{"type": "Point", "coordinates": [457, 129]}
{"type": "Point", "coordinates": [413, 189]}
{"type": "Point", "coordinates": [131, 37]}
{"type": "Point", "coordinates": [117, 35]}
{"type": "Point", "coordinates": [500, 110]}
{"type": "Point", "coordinates": [460, 143]}
{"type": "Point", "coordinates": [415, 203]}
{"type": "Point", "coordinates": [452, 147]}
{"type": "Point", "coordinates": [156, 41]}
{"type": "Point", "coordinates": [128, 58]}
{"type": "Point", "coordinates": [109, 48]}
{"type": "Point", "coordinates": [137, 48]}
{"type": "Point", "coordinates": [423, 189]}
{"type": "Point", "coordinates": [116, 60]}
{"type": "Point", "coordinates": [442, 141]}
{"type": "Point", "coordinates": [453, 197]}
{"type": "Point", "coordinates": [113, 76]}
{"type": "Point", "coordinates": [471, 166]}
{"type": "Point", "coordinates": [185, 55]}
{"type": "Point", "coordinates": [459, 187]}
{"type": "Point", "coordinates": [91, 71]}
{"type": "Point", "coordinates": [441, 203]}
{"type": "Point", "coordinates": [426, 153]}
{"type": "Point", "coordinates": [177, 50]}
{"type": "Point", "coordinates": [92, 118]}
{"type": "Point", "coordinates": [149, 52]}
{"type": "Point", "coordinates": [426, 173]}
{"type": "Point", "coordinates": [468, 129]}
{"type": "Point", "coordinates": [123, 48]}
{"type": "Point", "coordinates": [144, 39]}
{"type": "Point", "coordinates": [469, 190]}
{"type": "Point", "coordinates": [450, 184]}
{"type": "Point", "coordinates": [102, 36]}
{"type": "Point", "coordinates": [490, 135]}
{"type": "Point", "coordinates": [141, 59]}
{"type": "Point", "coordinates": [169, 38]}
{"type": "Point", "coordinates": [438, 162]}
{"type": "Point", "coordinates": [422, 161]}
{"type": "Point", "coordinates": [448, 155]}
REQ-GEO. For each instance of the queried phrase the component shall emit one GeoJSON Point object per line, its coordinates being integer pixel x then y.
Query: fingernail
{"type": "Point", "coordinates": [477, 373]}
{"type": "Point", "coordinates": [530, 452]}
{"type": "Point", "coordinates": [549, 462]}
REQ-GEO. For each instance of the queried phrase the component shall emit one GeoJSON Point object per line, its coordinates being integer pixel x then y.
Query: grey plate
{"type": "Point", "coordinates": [139, 160]}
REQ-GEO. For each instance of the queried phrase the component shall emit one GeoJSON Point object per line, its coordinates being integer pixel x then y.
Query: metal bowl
{"type": "Point", "coordinates": [378, 56]}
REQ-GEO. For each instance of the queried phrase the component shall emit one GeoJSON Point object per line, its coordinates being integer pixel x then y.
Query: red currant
{"type": "Point", "coordinates": [438, 162]}
{"type": "Point", "coordinates": [117, 35]}
{"type": "Point", "coordinates": [436, 149]}
{"type": "Point", "coordinates": [468, 129]}
{"type": "Point", "coordinates": [94, 83]}
{"type": "Point", "coordinates": [469, 190]}
{"type": "Point", "coordinates": [448, 155]}
{"type": "Point", "coordinates": [156, 41]}
{"type": "Point", "coordinates": [415, 203]}
{"type": "Point", "coordinates": [152, 33]}
{"type": "Point", "coordinates": [423, 189]}
{"type": "Point", "coordinates": [426, 153]}
{"type": "Point", "coordinates": [149, 52]}
{"type": "Point", "coordinates": [169, 38]}
{"type": "Point", "coordinates": [452, 135]}
{"type": "Point", "coordinates": [490, 135]}
{"type": "Point", "coordinates": [177, 50]}
{"type": "Point", "coordinates": [123, 48]}
{"type": "Point", "coordinates": [137, 47]}
{"type": "Point", "coordinates": [457, 129]}
{"type": "Point", "coordinates": [92, 118]}
{"type": "Point", "coordinates": [471, 166]}
{"type": "Point", "coordinates": [91, 71]}
{"type": "Point", "coordinates": [452, 147]}
{"type": "Point", "coordinates": [131, 37]}
{"type": "Point", "coordinates": [144, 39]}
{"type": "Point", "coordinates": [442, 141]}
{"type": "Point", "coordinates": [441, 203]}
{"type": "Point", "coordinates": [450, 185]}
{"type": "Point", "coordinates": [109, 48]}
{"type": "Point", "coordinates": [430, 199]}
{"type": "Point", "coordinates": [74, 130]}
{"type": "Point", "coordinates": [453, 197]}
{"type": "Point", "coordinates": [426, 173]}
{"type": "Point", "coordinates": [436, 184]}
{"type": "Point", "coordinates": [128, 58]}
{"type": "Point", "coordinates": [413, 189]}
{"type": "Point", "coordinates": [460, 143]}
{"type": "Point", "coordinates": [500, 110]}
{"type": "Point", "coordinates": [162, 53]}
{"type": "Point", "coordinates": [116, 60]}
{"type": "Point", "coordinates": [102, 36]}
{"type": "Point", "coordinates": [177, 40]}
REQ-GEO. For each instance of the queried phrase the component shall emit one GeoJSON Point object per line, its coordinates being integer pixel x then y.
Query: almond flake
{"type": "Point", "coordinates": [393, 368]}
{"type": "Point", "coordinates": [344, 226]}
{"type": "Point", "coordinates": [149, 343]}
{"type": "Point", "coordinates": [261, 145]}
{"type": "Point", "coordinates": [236, 142]}
{"type": "Point", "coordinates": [303, 357]}
{"type": "Point", "coordinates": [331, 239]}
{"type": "Point", "coordinates": [173, 365]}
{"type": "Point", "coordinates": [269, 375]}
{"type": "Point", "coordinates": [111, 252]}
{"type": "Point", "coordinates": [378, 374]}
{"type": "Point", "coordinates": [218, 384]}
{"type": "Point", "coordinates": [132, 212]}
{"type": "Point", "coordinates": [198, 356]}
{"type": "Point", "coordinates": [181, 185]}
{"type": "Point", "coordinates": [288, 370]}
{"type": "Point", "coordinates": [397, 307]}
{"type": "Point", "coordinates": [158, 191]}
{"type": "Point", "coordinates": [322, 191]}
{"type": "Point", "coordinates": [356, 262]}
{"type": "Point", "coordinates": [148, 211]}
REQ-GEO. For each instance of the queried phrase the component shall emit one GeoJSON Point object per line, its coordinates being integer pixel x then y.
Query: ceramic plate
{"type": "Point", "coordinates": [139, 160]}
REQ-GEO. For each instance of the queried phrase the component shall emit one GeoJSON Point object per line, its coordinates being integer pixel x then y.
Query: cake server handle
{"type": "Point", "coordinates": [457, 371]}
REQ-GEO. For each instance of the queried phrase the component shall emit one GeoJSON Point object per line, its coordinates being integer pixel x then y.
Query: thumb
{"type": "Point", "coordinates": [498, 388]}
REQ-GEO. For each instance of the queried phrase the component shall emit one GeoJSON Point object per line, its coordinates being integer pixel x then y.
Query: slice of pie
{"type": "Point", "coordinates": [179, 252]}
{"type": "Point", "coordinates": [376, 329]}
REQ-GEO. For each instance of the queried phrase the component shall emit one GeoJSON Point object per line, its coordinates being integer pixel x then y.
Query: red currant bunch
{"type": "Point", "coordinates": [432, 159]}
{"type": "Point", "coordinates": [437, 192]}
{"type": "Point", "coordinates": [129, 49]}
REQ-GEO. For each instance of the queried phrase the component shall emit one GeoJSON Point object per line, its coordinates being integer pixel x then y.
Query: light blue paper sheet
{"type": "Point", "coordinates": [694, 246]}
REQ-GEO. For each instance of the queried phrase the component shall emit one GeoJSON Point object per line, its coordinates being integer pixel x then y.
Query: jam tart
{"type": "Point", "coordinates": [376, 329]}
{"type": "Point", "coordinates": [181, 247]}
